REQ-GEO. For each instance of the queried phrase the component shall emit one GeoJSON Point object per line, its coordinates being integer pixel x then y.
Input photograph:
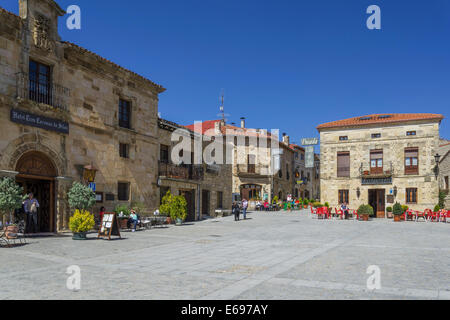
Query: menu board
{"type": "Point", "coordinates": [109, 226]}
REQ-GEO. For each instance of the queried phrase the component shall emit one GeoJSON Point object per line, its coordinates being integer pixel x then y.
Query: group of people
{"type": "Point", "coordinates": [133, 219]}
{"type": "Point", "coordinates": [236, 209]}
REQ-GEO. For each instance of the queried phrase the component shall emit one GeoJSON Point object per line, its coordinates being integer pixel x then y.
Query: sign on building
{"type": "Point", "coordinates": [309, 144]}
{"type": "Point", "coordinates": [34, 120]}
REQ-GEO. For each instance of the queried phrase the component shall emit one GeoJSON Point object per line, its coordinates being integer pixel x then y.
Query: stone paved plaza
{"type": "Point", "coordinates": [270, 256]}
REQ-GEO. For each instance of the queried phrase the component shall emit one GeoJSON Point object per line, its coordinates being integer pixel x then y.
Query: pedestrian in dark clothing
{"type": "Point", "coordinates": [30, 207]}
{"type": "Point", "coordinates": [236, 211]}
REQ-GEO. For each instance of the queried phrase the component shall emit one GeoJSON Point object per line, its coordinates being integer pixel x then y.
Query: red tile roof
{"type": "Point", "coordinates": [381, 119]}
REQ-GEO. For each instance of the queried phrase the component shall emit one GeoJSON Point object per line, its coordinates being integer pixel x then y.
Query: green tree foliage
{"type": "Point", "coordinates": [365, 209]}
{"type": "Point", "coordinates": [11, 196]}
{"type": "Point", "coordinates": [442, 196]}
{"type": "Point", "coordinates": [81, 197]}
{"type": "Point", "coordinates": [124, 209]}
{"type": "Point", "coordinates": [397, 209]}
{"type": "Point", "coordinates": [173, 206]}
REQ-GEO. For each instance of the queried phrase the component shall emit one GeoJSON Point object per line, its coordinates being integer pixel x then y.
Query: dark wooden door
{"type": "Point", "coordinates": [43, 193]}
{"type": "Point", "coordinates": [381, 203]}
{"type": "Point", "coordinates": [190, 201]}
{"type": "Point", "coordinates": [205, 202]}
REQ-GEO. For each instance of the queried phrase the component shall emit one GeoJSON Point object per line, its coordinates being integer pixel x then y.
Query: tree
{"type": "Point", "coordinates": [173, 206]}
{"type": "Point", "coordinates": [11, 197]}
{"type": "Point", "coordinates": [81, 197]}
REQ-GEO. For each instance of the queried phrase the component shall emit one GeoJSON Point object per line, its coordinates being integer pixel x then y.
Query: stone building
{"type": "Point", "coordinates": [206, 187]}
{"type": "Point", "coordinates": [64, 108]}
{"type": "Point", "coordinates": [262, 166]}
{"type": "Point", "coordinates": [380, 160]}
{"type": "Point", "coordinates": [306, 180]}
{"type": "Point", "coordinates": [444, 170]}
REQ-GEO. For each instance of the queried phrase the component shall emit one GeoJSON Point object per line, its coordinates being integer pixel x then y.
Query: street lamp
{"type": "Point", "coordinates": [358, 192]}
{"type": "Point", "coordinates": [395, 191]}
{"type": "Point", "coordinates": [437, 157]}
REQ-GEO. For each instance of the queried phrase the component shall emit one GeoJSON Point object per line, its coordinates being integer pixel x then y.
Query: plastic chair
{"type": "Point", "coordinates": [422, 215]}
{"type": "Point", "coordinates": [340, 213]}
{"type": "Point", "coordinates": [355, 215]}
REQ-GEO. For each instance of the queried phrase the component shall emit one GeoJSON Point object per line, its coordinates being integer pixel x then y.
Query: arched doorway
{"type": "Point", "coordinates": [37, 175]}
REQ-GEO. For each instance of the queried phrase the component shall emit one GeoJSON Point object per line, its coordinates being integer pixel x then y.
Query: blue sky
{"type": "Point", "coordinates": [283, 64]}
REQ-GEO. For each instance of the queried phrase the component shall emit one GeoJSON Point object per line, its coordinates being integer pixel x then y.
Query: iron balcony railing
{"type": "Point", "coordinates": [45, 92]}
{"type": "Point", "coordinates": [185, 172]}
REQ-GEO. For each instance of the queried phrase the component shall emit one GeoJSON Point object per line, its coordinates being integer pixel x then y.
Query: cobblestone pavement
{"type": "Point", "coordinates": [270, 256]}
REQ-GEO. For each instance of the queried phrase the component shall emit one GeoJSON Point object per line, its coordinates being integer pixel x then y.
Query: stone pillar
{"type": "Point", "coordinates": [63, 185]}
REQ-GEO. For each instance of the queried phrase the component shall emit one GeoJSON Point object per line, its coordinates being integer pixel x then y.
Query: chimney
{"type": "Point", "coordinates": [218, 127]}
{"type": "Point", "coordinates": [243, 123]}
{"type": "Point", "coordinates": [285, 139]}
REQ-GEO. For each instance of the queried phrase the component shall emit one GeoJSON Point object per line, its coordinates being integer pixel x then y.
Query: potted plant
{"type": "Point", "coordinates": [397, 211]}
{"type": "Point", "coordinates": [305, 203]}
{"type": "Point", "coordinates": [164, 208]}
{"type": "Point", "coordinates": [437, 208]}
{"type": "Point", "coordinates": [178, 209]}
{"type": "Point", "coordinates": [11, 198]}
{"type": "Point", "coordinates": [81, 198]}
{"type": "Point", "coordinates": [123, 214]}
{"type": "Point", "coordinates": [80, 223]}
{"type": "Point", "coordinates": [389, 212]}
{"type": "Point", "coordinates": [365, 211]}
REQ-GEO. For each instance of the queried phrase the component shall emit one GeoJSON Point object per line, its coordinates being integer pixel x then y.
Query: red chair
{"type": "Point", "coordinates": [432, 215]}
{"type": "Point", "coordinates": [355, 214]}
{"type": "Point", "coordinates": [340, 213]}
{"type": "Point", "coordinates": [422, 215]}
{"type": "Point", "coordinates": [410, 215]}
{"type": "Point", "coordinates": [325, 212]}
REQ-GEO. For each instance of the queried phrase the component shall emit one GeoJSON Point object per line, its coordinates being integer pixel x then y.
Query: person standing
{"type": "Point", "coordinates": [236, 211]}
{"type": "Point", "coordinates": [244, 208]}
{"type": "Point", "coordinates": [30, 206]}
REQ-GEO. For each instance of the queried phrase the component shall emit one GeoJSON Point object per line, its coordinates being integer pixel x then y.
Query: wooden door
{"type": "Point", "coordinates": [381, 204]}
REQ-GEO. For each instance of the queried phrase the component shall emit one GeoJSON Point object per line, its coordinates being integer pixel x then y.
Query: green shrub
{"type": "Point", "coordinates": [389, 209]}
{"type": "Point", "coordinates": [305, 202]}
{"type": "Point", "coordinates": [365, 209]}
{"type": "Point", "coordinates": [178, 208]}
{"type": "Point", "coordinates": [404, 208]}
{"type": "Point", "coordinates": [397, 209]}
{"type": "Point", "coordinates": [317, 205]}
{"type": "Point", "coordinates": [437, 208]}
{"type": "Point", "coordinates": [11, 197]}
{"type": "Point", "coordinates": [275, 199]}
{"type": "Point", "coordinates": [327, 204]}
{"type": "Point", "coordinates": [81, 197]}
{"type": "Point", "coordinates": [442, 196]}
{"type": "Point", "coordinates": [124, 209]}
{"type": "Point", "coordinates": [81, 221]}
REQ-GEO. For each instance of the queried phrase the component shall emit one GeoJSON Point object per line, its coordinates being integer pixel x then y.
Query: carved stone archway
{"type": "Point", "coordinates": [37, 164]}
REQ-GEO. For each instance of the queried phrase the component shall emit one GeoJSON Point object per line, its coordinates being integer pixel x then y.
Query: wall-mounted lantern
{"type": "Point", "coordinates": [437, 157]}
{"type": "Point", "coordinates": [89, 173]}
{"type": "Point", "coordinates": [358, 192]}
{"type": "Point", "coordinates": [395, 191]}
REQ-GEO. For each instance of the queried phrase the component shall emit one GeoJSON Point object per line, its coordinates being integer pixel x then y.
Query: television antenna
{"type": "Point", "coordinates": [222, 113]}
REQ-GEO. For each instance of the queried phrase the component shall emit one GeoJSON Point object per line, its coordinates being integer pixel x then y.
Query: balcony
{"type": "Point", "coordinates": [183, 172]}
{"type": "Point", "coordinates": [253, 170]}
{"type": "Point", "coordinates": [49, 93]}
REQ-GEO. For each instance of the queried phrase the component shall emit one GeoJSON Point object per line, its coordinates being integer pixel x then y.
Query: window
{"type": "Point", "coordinates": [164, 153]}
{"type": "Point", "coordinates": [411, 195]}
{"type": "Point", "coordinates": [302, 156]}
{"type": "Point", "coordinates": [411, 133]}
{"type": "Point", "coordinates": [343, 196]}
{"type": "Point", "coordinates": [40, 83]}
{"type": "Point", "coordinates": [343, 164]}
{"type": "Point", "coordinates": [376, 135]}
{"type": "Point", "coordinates": [251, 160]}
{"type": "Point", "coordinates": [123, 191]}
{"type": "Point", "coordinates": [109, 197]}
{"type": "Point", "coordinates": [124, 114]}
{"type": "Point", "coordinates": [124, 150]}
{"type": "Point", "coordinates": [99, 197]}
{"type": "Point", "coordinates": [343, 138]}
{"type": "Point", "coordinates": [412, 161]}
{"type": "Point", "coordinates": [376, 161]}
{"type": "Point", "coordinates": [219, 200]}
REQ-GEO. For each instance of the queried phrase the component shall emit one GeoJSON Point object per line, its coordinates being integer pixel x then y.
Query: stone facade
{"type": "Point", "coordinates": [444, 170]}
{"type": "Point", "coordinates": [307, 180]}
{"type": "Point", "coordinates": [208, 186]}
{"type": "Point", "coordinates": [84, 91]}
{"type": "Point", "coordinates": [393, 180]}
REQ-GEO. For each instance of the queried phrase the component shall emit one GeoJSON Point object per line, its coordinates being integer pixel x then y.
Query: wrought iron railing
{"type": "Point", "coordinates": [185, 172]}
{"type": "Point", "coordinates": [49, 93]}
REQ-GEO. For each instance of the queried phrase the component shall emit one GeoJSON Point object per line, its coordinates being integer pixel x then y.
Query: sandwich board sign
{"type": "Point", "coordinates": [109, 226]}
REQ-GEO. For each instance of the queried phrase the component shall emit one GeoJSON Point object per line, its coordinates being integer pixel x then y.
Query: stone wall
{"type": "Point", "coordinates": [393, 142]}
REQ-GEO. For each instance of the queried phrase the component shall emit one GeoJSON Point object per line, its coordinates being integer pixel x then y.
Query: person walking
{"type": "Point", "coordinates": [30, 206]}
{"type": "Point", "coordinates": [244, 208]}
{"type": "Point", "coordinates": [236, 211]}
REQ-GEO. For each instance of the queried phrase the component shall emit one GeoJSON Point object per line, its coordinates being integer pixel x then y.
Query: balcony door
{"type": "Point", "coordinates": [376, 162]}
{"type": "Point", "coordinates": [40, 83]}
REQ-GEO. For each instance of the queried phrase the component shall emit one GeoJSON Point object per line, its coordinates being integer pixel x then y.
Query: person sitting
{"type": "Point", "coordinates": [345, 209]}
{"type": "Point", "coordinates": [134, 219]}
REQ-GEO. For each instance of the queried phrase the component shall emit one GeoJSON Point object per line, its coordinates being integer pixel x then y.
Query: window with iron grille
{"type": "Point", "coordinates": [411, 133]}
{"type": "Point", "coordinates": [40, 88]}
{"type": "Point", "coordinates": [343, 196]}
{"type": "Point", "coordinates": [343, 164]}
{"type": "Point", "coordinates": [411, 161]}
{"type": "Point", "coordinates": [124, 114]}
{"type": "Point", "coordinates": [343, 138]}
{"type": "Point", "coordinates": [376, 135]}
{"type": "Point", "coordinates": [123, 191]}
{"type": "Point", "coordinates": [411, 195]}
{"type": "Point", "coordinates": [124, 150]}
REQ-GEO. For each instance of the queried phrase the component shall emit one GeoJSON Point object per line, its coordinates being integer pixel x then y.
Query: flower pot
{"type": "Point", "coordinates": [123, 223]}
{"type": "Point", "coordinates": [79, 236]}
{"type": "Point", "coordinates": [397, 218]}
{"type": "Point", "coordinates": [389, 215]}
{"type": "Point", "coordinates": [364, 217]}
{"type": "Point", "coordinates": [11, 232]}
{"type": "Point", "coordinates": [178, 222]}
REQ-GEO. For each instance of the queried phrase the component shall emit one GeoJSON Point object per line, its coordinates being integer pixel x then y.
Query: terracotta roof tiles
{"type": "Point", "coordinates": [380, 119]}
